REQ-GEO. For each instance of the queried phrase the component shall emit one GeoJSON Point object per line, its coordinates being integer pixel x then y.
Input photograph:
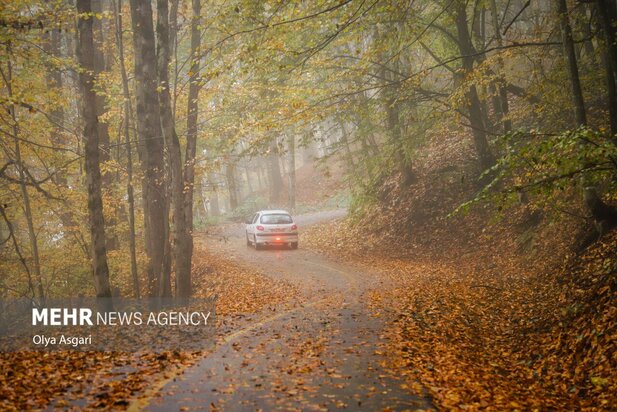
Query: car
{"type": "Point", "coordinates": [270, 228]}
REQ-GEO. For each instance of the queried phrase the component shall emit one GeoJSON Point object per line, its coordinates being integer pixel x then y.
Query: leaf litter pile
{"type": "Point", "coordinates": [31, 380]}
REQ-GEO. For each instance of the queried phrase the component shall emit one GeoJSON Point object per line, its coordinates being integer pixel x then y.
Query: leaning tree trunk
{"type": "Point", "coordinates": [478, 129]}
{"type": "Point", "coordinates": [149, 133]}
{"type": "Point", "coordinates": [605, 216]}
{"type": "Point", "coordinates": [570, 53]}
{"type": "Point", "coordinates": [85, 56]}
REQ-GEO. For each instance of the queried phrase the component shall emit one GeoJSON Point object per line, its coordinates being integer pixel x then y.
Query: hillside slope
{"type": "Point", "coordinates": [504, 313]}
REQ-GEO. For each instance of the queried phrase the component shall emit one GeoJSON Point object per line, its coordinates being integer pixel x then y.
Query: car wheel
{"type": "Point", "coordinates": [257, 245]}
{"type": "Point", "coordinates": [248, 241]}
{"type": "Point", "coordinates": [294, 245]}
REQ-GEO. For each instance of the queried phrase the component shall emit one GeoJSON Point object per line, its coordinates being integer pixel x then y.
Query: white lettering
{"type": "Point", "coordinates": [60, 317]}
{"type": "Point", "coordinates": [39, 316]}
{"type": "Point", "coordinates": [85, 316]}
{"type": "Point", "coordinates": [55, 316]}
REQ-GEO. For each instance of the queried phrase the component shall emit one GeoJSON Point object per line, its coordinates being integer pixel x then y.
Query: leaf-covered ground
{"type": "Point", "coordinates": [32, 380]}
{"type": "Point", "coordinates": [492, 330]}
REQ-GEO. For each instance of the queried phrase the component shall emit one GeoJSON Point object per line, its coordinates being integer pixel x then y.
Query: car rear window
{"type": "Point", "coordinates": [276, 219]}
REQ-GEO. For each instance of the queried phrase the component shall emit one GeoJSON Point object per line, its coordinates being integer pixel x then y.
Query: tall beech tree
{"type": "Point", "coordinates": [191, 125]}
{"type": "Point", "coordinates": [128, 115]}
{"type": "Point", "coordinates": [152, 144]}
{"type": "Point", "coordinates": [85, 57]}
{"type": "Point", "coordinates": [181, 232]}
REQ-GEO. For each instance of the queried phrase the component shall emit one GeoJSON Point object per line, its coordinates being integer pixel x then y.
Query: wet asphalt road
{"type": "Point", "coordinates": [324, 354]}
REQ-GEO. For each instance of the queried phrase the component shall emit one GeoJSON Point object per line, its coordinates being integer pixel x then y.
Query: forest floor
{"type": "Point", "coordinates": [483, 323]}
{"type": "Point", "coordinates": [351, 321]}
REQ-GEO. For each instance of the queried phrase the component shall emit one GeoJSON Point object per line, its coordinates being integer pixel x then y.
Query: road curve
{"type": "Point", "coordinates": [325, 354]}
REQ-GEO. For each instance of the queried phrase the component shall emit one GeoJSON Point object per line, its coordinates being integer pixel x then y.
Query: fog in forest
{"type": "Point", "coordinates": [372, 204]}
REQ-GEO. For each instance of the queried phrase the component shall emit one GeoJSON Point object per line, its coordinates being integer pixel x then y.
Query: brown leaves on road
{"type": "Point", "coordinates": [240, 289]}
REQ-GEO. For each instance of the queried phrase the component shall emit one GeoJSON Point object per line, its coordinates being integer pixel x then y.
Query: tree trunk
{"type": "Point", "coordinates": [215, 209]}
{"type": "Point", "coordinates": [181, 232]}
{"type": "Point", "coordinates": [393, 122]}
{"type": "Point", "coordinates": [22, 259]}
{"type": "Point", "coordinates": [292, 171]}
{"type": "Point", "coordinates": [347, 150]}
{"type": "Point", "coordinates": [191, 127]}
{"type": "Point", "coordinates": [603, 214]}
{"type": "Point", "coordinates": [274, 172]}
{"type": "Point", "coordinates": [201, 215]}
{"type": "Point", "coordinates": [309, 154]}
{"type": "Point", "coordinates": [474, 105]}
{"type": "Point", "coordinates": [570, 53]}
{"type": "Point", "coordinates": [588, 34]}
{"type": "Point", "coordinates": [85, 55]}
{"type": "Point", "coordinates": [247, 174]}
{"type": "Point", "coordinates": [129, 156]}
{"type": "Point", "coordinates": [34, 247]}
{"type": "Point", "coordinates": [149, 133]}
{"type": "Point", "coordinates": [502, 106]}
{"type": "Point", "coordinates": [99, 67]}
{"type": "Point", "coordinates": [52, 45]}
{"type": "Point", "coordinates": [606, 18]}
{"type": "Point", "coordinates": [230, 176]}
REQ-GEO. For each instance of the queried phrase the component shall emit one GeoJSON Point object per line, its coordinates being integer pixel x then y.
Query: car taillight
{"type": "Point", "coordinates": [294, 227]}
{"type": "Point", "coordinates": [259, 227]}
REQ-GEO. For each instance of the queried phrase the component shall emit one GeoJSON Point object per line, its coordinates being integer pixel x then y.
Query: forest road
{"type": "Point", "coordinates": [325, 353]}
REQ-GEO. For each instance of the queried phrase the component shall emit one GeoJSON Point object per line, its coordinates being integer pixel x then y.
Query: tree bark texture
{"type": "Point", "coordinates": [85, 55]}
{"type": "Point", "coordinates": [150, 135]}
{"type": "Point", "coordinates": [570, 54]}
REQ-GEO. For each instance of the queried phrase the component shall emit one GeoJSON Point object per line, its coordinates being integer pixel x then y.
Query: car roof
{"type": "Point", "coordinates": [273, 212]}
